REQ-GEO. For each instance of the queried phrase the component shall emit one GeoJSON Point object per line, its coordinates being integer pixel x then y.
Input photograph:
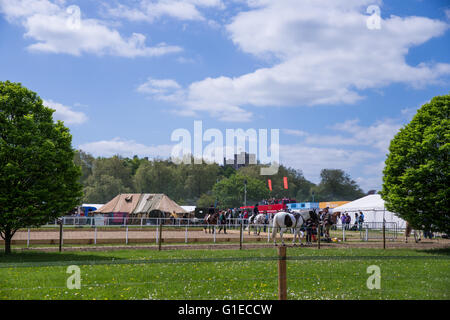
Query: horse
{"type": "Point", "coordinates": [210, 221]}
{"type": "Point", "coordinates": [257, 220]}
{"type": "Point", "coordinates": [328, 220]}
{"type": "Point", "coordinates": [417, 233]}
{"type": "Point", "coordinates": [285, 220]}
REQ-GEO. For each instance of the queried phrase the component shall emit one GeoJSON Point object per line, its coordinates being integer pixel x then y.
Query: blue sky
{"type": "Point", "coordinates": [126, 74]}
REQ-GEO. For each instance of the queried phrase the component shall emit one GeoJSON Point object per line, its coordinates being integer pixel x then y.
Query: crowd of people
{"type": "Point", "coordinates": [244, 216]}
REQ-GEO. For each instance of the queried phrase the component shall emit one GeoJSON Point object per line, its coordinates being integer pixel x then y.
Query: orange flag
{"type": "Point", "coordinates": [285, 182]}
{"type": "Point", "coordinates": [270, 184]}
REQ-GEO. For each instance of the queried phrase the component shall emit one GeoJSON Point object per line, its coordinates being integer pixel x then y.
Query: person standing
{"type": "Point", "coordinates": [223, 222]}
{"type": "Point", "coordinates": [343, 217]}
{"type": "Point", "coordinates": [266, 220]}
{"type": "Point", "coordinates": [360, 220]}
{"type": "Point", "coordinates": [348, 219]}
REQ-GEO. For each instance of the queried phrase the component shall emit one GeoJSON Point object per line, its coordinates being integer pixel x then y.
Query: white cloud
{"type": "Point", "coordinates": [126, 148]}
{"type": "Point", "coordinates": [56, 29]}
{"type": "Point", "coordinates": [313, 159]}
{"type": "Point", "coordinates": [294, 132]}
{"type": "Point", "coordinates": [321, 52]}
{"type": "Point", "coordinates": [149, 11]}
{"type": "Point", "coordinates": [377, 135]}
{"type": "Point", "coordinates": [65, 113]}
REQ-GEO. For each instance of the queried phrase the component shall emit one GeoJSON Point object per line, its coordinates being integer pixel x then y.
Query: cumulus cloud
{"type": "Point", "coordinates": [57, 29]}
{"type": "Point", "coordinates": [321, 52]}
{"type": "Point", "coordinates": [151, 10]}
{"type": "Point", "coordinates": [126, 148]}
{"type": "Point", "coordinates": [65, 113]}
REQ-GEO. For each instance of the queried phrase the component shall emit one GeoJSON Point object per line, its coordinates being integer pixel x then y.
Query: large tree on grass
{"type": "Point", "coordinates": [38, 178]}
{"type": "Point", "coordinates": [417, 173]}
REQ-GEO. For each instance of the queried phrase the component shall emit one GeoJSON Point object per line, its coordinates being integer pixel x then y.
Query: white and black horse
{"type": "Point", "coordinates": [257, 221]}
{"type": "Point", "coordinates": [284, 220]}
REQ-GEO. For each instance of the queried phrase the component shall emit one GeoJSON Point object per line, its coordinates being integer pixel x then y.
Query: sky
{"type": "Point", "coordinates": [337, 78]}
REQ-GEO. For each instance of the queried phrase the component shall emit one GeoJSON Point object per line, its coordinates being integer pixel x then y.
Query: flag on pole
{"type": "Point", "coordinates": [285, 182]}
{"type": "Point", "coordinates": [270, 184]}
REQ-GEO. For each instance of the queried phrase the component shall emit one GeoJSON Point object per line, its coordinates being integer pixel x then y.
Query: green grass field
{"type": "Point", "coordinates": [226, 274]}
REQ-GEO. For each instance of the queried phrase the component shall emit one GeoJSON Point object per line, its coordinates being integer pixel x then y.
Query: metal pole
{"type": "Point", "coordinates": [28, 238]}
{"type": "Point", "coordinates": [126, 236]}
{"type": "Point", "coordinates": [343, 233]}
{"type": "Point", "coordinates": [95, 235]}
{"type": "Point", "coordinates": [214, 234]}
{"type": "Point", "coordinates": [245, 193]}
{"type": "Point", "coordinates": [282, 276]}
{"type": "Point", "coordinates": [186, 235]}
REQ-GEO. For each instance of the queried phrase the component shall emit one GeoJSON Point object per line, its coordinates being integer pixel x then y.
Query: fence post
{"type": "Point", "coordinates": [240, 237]}
{"type": "Point", "coordinates": [384, 234]}
{"type": "Point", "coordinates": [318, 236]}
{"type": "Point", "coordinates": [28, 238]}
{"type": "Point", "coordinates": [160, 235]}
{"type": "Point", "coordinates": [343, 233]}
{"type": "Point", "coordinates": [126, 236]}
{"type": "Point", "coordinates": [186, 235]}
{"type": "Point", "coordinates": [214, 234]}
{"type": "Point", "coordinates": [157, 235]}
{"type": "Point", "coordinates": [282, 277]}
{"type": "Point", "coordinates": [60, 235]}
{"type": "Point", "coordinates": [367, 233]}
{"type": "Point", "coordinates": [95, 235]}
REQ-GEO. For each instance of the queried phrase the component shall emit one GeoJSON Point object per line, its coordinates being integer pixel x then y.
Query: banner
{"type": "Point", "coordinates": [285, 182]}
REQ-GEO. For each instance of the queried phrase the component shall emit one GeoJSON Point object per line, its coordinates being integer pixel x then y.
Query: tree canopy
{"type": "Point", "coordinates": [38, 178]}
{"type": "Point", "coordinates": [336, 185]}
{"type": "Point", "coordinates": [416, 175]}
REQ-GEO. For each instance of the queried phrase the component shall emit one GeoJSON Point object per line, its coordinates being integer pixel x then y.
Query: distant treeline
{"type": "Point", "coordinates": [205, 184]}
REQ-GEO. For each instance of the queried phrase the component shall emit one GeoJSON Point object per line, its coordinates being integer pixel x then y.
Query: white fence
{"type": "Point", "coordinates": [80, 221]}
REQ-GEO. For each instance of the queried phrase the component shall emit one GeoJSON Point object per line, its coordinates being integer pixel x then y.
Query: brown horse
{"type": "Point", "coordinates": [329, 220]}
{"type": "Point", "coordinates": [409, 228]}
{"type": "Point", "coordinates": [210, 221]}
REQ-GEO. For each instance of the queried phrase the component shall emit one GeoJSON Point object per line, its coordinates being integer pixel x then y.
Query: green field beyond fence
{"type": "Point", "coordinates": [227, 274]}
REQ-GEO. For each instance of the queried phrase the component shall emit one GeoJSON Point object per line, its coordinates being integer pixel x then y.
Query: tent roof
{"type": "Point", "coordinates": [189, 208]}
{"type": "Point", "coordinates": [371, 202]}
{"type": "Point", "coordinates": [140, 203]}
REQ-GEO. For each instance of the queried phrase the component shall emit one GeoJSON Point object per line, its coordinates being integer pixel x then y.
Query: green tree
{"type": "Point", "coordinates": [417, 173]}
{"type": "Point", "coordinates": [230, 191]}
{"type": "Point", "coordinates": [205, 201]}
{"type": "Point", "coordinates": [298, 186]}
{"type": "Point", "coordinates": [336, 185]}
{"type": "Point", "coordinates": [38, 178]}
{"type": "Point", "coordinates": [85, 161]}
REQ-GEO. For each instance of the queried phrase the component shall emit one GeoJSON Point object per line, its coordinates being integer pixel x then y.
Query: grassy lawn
{"type": "Point", "coordinates": [226, 274]}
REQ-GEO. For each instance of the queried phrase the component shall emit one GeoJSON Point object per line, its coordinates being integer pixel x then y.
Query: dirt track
{"type": "Point", "coordinates": [177, 239]}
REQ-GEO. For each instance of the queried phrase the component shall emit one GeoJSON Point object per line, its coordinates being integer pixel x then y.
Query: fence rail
{"type": "Point", "coordinates": [130, 221]}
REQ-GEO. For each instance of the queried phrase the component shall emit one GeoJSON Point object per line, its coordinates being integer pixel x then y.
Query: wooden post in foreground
{"type": "Point", "coordinates": [60, 234]}
{"type": "Point", "coordinates": [240, 237]}
{"type": "Point", "coordinates": [282, 279]}
{"type": "Point", "coordinates": [160, 235]}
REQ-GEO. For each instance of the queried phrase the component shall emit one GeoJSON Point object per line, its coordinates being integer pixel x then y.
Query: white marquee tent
{"type": "Point", "coordinates": [373, 208]}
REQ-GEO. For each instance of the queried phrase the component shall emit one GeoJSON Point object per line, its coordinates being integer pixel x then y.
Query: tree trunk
{"type": "Point", "coordinates": [8, 237]}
